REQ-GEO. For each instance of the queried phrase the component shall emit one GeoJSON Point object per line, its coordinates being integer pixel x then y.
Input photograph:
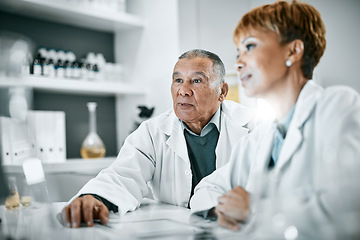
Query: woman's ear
{"type": "Point", "coordinates": [296, 50]}
{"type": "Point", "coordinates": [224, 91]}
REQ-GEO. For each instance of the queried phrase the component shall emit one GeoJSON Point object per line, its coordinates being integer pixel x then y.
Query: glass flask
{"type": "Point", "coordinates": [26, 197]}
{"type": "Point", "coordinates": [13, 200]}
{"type": "Point", "coordinates": [92, 147]}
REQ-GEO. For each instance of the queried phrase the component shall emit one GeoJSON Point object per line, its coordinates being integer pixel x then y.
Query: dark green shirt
{"type": "Point", "coordinates": [201, 151]}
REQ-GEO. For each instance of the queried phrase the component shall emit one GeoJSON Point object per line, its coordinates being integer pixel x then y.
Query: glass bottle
{"type": "Point", "coordinates": [52, 60]}
{"type": "Point", "coordinates": [92, 147]}
{"type": "Point", "coordinates": [60, 64]}
{"type": "Point", "coordinates": [26, 196]}
{"type": "Point", "coordinates": [13, 200]}
{"type": "Point", "coordinates": [37, 67]}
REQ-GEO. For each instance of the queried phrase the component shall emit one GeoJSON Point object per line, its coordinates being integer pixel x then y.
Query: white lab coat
{"type": "Point", "coordinates": [155, 157]}
{"type": "Point", "coordinates": [319, 161]}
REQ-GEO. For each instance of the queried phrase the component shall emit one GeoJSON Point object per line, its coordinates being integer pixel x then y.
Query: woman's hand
{"type": "Point", "coordinates": [233, 208]}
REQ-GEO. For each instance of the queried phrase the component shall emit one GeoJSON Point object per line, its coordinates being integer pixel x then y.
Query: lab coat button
{"type": "Point", "coordinates": [187, 171]}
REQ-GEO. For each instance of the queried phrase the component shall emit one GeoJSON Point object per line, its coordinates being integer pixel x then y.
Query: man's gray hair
{"type": "Point", "coordinates": [218, 65]}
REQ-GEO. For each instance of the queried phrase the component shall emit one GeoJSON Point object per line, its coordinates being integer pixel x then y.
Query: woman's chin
{"type": "Point", "coordinates": [249, 93]}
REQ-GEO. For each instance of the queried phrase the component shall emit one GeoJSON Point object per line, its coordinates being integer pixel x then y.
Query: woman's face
{"type": "Point", "coordinates": [261, 63]}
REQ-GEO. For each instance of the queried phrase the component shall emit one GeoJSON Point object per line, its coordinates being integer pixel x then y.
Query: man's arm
{"type": "Point", "coordinates": [110, 206]}
{"type": "Point", "coordinates": [122, 185]}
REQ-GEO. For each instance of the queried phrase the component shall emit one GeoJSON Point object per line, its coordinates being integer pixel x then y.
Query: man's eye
{"type": "Point", "coordinates": [250, 46]}
{"type": "Point", "coordinates": [178, 80]}
{"type": "Point", "coordinates": [197, 80]}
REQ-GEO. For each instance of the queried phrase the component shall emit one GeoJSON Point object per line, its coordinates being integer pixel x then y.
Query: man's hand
{"type": "Point", "coordinates": [85, 209]}
{"type": "Point", "coordinates": [233, 208]}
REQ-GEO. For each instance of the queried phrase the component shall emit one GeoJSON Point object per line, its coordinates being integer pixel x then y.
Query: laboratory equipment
{"type": "Point", "coordinates": [13, 200]}
{"type": "Point", "coordinates": [93, 146]}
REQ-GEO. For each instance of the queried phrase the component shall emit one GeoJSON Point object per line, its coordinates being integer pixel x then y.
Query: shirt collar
{"type": "Point", "coordinates": [283, 125]}
{"type": "Point", "coordinates": [214, 122]}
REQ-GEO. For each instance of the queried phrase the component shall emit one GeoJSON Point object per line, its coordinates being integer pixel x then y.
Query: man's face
{"type": "Point", "coordinates": [194, 91]}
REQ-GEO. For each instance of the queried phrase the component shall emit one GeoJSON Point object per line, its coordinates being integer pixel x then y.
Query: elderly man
{"type": "Point", "coordinates": [169, 154]}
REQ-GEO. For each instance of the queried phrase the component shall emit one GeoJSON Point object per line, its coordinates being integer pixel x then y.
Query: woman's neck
{"type": "Point", "coordinates": [285, 97]}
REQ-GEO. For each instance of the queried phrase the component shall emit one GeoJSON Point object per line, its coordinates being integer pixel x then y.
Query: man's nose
{"type": "Point", "coordinates": [185, 90]}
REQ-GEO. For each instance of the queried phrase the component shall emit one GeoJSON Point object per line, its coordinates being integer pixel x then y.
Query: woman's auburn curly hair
{"type": "Point", "coordinates": [295, 20]}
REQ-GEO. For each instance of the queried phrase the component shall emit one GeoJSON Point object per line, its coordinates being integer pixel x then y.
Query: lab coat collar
{"type": "Point", "coordinates": [176, 141]}
{"type": "Point", "coordinates": [231, 113]}
{"type": "Point", "coordinates": [305, 105]}
{"type": "Point", "coordinates": [236, 112]}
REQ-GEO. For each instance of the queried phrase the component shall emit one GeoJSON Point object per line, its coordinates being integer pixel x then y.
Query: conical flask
{"type": "Point", "coordinates": [93, 146]}
{"type": "Point", "coordinates": [13, 200]}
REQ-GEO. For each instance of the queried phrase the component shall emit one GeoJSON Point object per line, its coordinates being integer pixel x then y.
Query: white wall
{"type": "Point", "coordinates": [213, 21]}
{"type": "Point", "coordinates": [209, 24]}
{"type": "Point", "coordinates": [340, 62]}
{"type": "Point", "coordinates": [156, 49]}
{"type": "Point", "coordinates": [175, 26]}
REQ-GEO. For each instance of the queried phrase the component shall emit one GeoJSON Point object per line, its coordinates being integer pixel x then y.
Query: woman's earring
{"type": "Point", "coordinates": [288, 63]}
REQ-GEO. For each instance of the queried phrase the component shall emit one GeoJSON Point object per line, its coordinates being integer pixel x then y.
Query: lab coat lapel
{"type": "Point", "coordinates": [264, 151]}
{"type": "Point", "coordinates": [232, 129]}
{"type": "Point", "coordinates": [230, 134]}
{"type": "Point", "coordinates": [176, 141]}
{"type": "Point", "coordinates": [303, 109]}
{"type": "Point", "coordinates": [260, 163]}
{"type": "Point", "coordinates": [292, 142]}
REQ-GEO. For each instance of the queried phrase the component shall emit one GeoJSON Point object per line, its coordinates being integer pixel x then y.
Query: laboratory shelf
{"type": "Point", "coordinates": [72, 166]}
{"type": "Point", "coordinates": [62, 85]}
{"type": "Point", "coordinates": [69, 13]}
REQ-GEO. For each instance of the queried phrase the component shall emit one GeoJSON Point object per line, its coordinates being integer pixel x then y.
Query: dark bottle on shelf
{"type": "Point", "coordinates": [44, 61]}
{"type": "Point", "coordinates": [95, 70]}
{"type": "Point", "coordinates": [84, 73]}
{"type": "Point", "coordinates": [76, 70]}
{"type": "Point", "coordinates": [52, 56]}
{"type": "Point", "coordinates": [36, 65]}
{"type": "Point", "coordinates": [60, 64]}
{"type": "Point", "coordinates": [90, 72]}
{"type": "Point", "coordinates": [68, 64]}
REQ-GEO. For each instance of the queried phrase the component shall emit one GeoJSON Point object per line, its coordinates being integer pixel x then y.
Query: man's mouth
{"type": "Point", "coordinates": [185, 104]}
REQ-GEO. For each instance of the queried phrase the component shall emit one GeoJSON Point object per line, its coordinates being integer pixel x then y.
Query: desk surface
{"type": "Point", "coordinates": [153, 220]}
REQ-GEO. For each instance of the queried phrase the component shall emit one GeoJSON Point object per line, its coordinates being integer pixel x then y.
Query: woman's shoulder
{"type": "Point", "coordinates": [340, 95]}
{"type": "Point", "coordinates": [338, 104]}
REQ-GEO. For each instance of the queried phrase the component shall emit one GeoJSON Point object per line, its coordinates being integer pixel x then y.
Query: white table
{"type": "Point", "coordinates": [153, 220]}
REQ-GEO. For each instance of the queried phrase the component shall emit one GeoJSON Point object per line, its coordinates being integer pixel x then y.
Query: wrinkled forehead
{"type": "Point", "coordinates": [193, 65]}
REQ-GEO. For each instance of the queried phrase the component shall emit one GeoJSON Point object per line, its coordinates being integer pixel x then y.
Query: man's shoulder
{"type": "Point", "coordinates": [169, 114]}
{"type": "Point", "coordinates": [163, 122]}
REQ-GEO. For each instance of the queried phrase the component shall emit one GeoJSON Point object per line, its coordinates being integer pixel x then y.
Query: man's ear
{"type": "Point", "coordinates": [224, 91]}
{"type": "Point", "coordinates": [296, 50]}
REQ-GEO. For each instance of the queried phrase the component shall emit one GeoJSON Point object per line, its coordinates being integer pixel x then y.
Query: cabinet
{"type": "Point", "coordinates": [127, 94]}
